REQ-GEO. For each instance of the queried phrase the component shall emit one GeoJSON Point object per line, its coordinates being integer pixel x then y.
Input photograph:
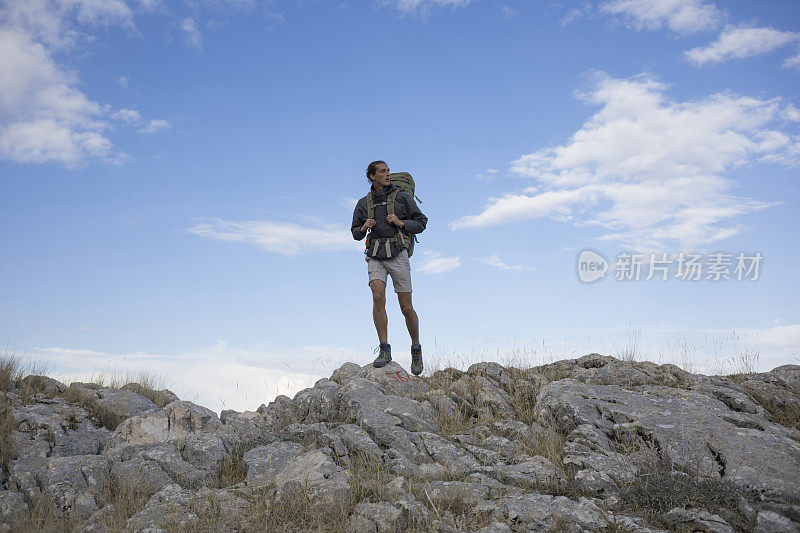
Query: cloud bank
{"type": "Point", "coordinates": [44, 117]}
{"type": "Point", "coordinates": [650, 170]}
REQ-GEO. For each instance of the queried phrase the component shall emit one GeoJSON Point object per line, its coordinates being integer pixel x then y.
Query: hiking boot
{"type": "Point", "coordinates": [384, 357]}
{"type": "Point", "coordinates": [416, 359]}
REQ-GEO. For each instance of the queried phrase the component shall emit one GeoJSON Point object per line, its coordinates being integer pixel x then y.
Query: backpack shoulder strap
{"type": "Point", "coordinates": [370, 205]}
{"type": "Point", "coordinates": [390, 201]}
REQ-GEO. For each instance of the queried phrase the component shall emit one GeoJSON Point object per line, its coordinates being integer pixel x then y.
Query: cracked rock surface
{"type": "Point", "coordinates": [586, 444]}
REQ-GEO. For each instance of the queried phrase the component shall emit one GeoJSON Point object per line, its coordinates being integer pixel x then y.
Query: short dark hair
{"type": "Point", "coordinates": [373, 168]}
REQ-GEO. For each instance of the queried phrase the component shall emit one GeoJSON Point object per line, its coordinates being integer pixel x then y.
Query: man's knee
{"type": "Point", "coordinates": [378, 292]}
{"type": "Point", "coordinates": [405, 304]}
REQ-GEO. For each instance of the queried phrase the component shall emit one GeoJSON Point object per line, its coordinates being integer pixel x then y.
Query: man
{"type": "Point", "coordinates": [386, 256]}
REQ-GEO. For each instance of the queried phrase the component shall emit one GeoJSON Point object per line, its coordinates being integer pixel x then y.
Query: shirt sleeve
{"type": "Point", "coordinates": [416, 221]}
{"type": "Point", "coordinates": [359, 217]}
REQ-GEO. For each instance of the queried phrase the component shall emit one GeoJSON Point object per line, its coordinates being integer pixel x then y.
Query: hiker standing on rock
{"type": "Point", "coordinates": [390, 218]}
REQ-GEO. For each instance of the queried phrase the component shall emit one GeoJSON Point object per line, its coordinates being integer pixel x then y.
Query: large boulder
{"type": "Point", "coordinates": [264, 462]}
{"type": "Point", "coordinates": [178, 419]}
{"type": "Point", "coordinates": [124, 403]}
{"type": "Point", "coordinates": [315, 476]}
{"type": "Point", "coordinates": [76, 485]}
{"type": "Point", "coordinates": [695, 433]}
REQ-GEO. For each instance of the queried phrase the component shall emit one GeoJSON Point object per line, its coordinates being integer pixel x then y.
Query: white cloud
{"type": "Point", "coordinates": [349, 203]}
{"type": "Point", "coordinates": [495, 261]}
{"type": "Point", "coordinates": [149, 5]}
{"type": "Point", "coordinates": [762, 348]}
{"type": "Point", "coordinates": [424, 7]}
{"type": "Point", "coordinates": [284, 238]}
{"type": "Point", "coordinates": [129, 116]}
{"type": "Point", "coordinates": [525, 206]}
{"type": "Point", "coordinates": [242, 378]}
{"type": "Point", "coordinates": [509, 12]}
{"type": "Point", "coordinates": [436, 264]}
{"type": "Point", "coordinates": [193, 36]}
{"type": "Point", "coordinates": [648, 169]}
{"type": "Point", "coordinates": [122, 81]}
{"type": "Point", "coordinates": [739, 43]}
{"type": "Point", "coordinates": [155, 125]}
{"type": "Point", "coordinates": [586, 9]}
{"type": "Point", "coordinates": [792, 62]}
{"type": "Point", "coordinates": [55, 23]}
{"type": "Point", "coordinates": [488, 174]}
{"type": "Point", "coordinates": [681, 16]}
{"type": "Point", "coordinates": [791, 113]}
{"type": "Point", "coordinates": [44, 117]}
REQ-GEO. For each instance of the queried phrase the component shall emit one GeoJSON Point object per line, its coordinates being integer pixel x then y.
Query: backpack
{"type": "Point", "coordinates": [405, 183]}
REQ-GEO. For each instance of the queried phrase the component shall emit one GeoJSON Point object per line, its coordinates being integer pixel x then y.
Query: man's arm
{"type": "Point", "coordinates": [359, 217]}
{"type": "Point", "coordinates": [416, 221]}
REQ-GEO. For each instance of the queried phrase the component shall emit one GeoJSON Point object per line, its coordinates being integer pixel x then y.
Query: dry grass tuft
{"type": "Point", "coordinates": [232, 470]}
{"type": "Point", "coordinates": [99, 415]}
{"type": "Point", "coordinates": [785, 414]}
{"type": "Point", "coordinates": [128, 498]}
{"type": "Point", "coordinates": [44, 518]}
{"type": "Point", "coordinates": [9, 375]}
{"type": "Point", "coordinates": [7, 425]}
{"type": "Point", "coordinates": [158, 397]}
{"type": "Point", "coordinates": [655, 493]}
{"type": "Point", "coordinates": [9, 371]}
{"type": "Point", "coordinates": [456, 509]}
{"type": "Point", "coordinates": [524, 396]}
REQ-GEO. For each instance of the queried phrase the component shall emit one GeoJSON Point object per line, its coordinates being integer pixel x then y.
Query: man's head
{"type": "Point", "coordinates": [378, 173]}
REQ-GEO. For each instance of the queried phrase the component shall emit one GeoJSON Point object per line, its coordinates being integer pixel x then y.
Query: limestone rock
{"type": "Point", "coordinates": [316, 475]}
{"type": "Point", "coordinates": [393, 378]}
{"type": "Point", "coordinates": [176, 420]}
{"type": "Point", "coordinates": [145, 475]}
{"type": "Point", "coordinates": [697, 520]}
{"type": "Point", "coordinates": [380, 517]}
{"type": "Point", "coordinates": [124, 403]}
{"type": "Point", "coordinates": [772, 522]}
{"type": "Point", "coordinates": [13, 508]}
{"type": "Point", "coordinates": [540, 512]}
{"type": "Point", "coordinates": [43, 384]}
{"type": "Point", "coordinates": [457, 451]}
{"type": "Point", "coordinates": [264, 462]}
{"type": "Point", "coordinates": [76, 484]}
{"type": "Point", "coordinates": [686, 428]}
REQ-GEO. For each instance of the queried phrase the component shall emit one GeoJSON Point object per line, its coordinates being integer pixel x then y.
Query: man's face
{"type": "Point", "coordinates": [381, 176]}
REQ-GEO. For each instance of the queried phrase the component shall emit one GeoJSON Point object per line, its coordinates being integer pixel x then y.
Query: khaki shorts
{"type": "Point", "coordinates": [398, 267]}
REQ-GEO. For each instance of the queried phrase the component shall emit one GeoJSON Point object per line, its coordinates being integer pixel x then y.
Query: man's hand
{"type": "Point", "coordinates": [370, 223]}
{"type": "Point", "coordinates": [392, 219]}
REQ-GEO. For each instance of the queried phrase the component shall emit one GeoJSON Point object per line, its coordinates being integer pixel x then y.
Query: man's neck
{"type": "Point", "coordinates": [377, 188]}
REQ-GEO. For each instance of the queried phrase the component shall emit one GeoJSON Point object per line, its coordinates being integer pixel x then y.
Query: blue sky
{"type": "Point", "coordinates": [177, 181]}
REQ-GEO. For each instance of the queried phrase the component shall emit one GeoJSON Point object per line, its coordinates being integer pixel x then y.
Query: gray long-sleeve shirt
{"type": "Point", "coordinates": [404, 207]}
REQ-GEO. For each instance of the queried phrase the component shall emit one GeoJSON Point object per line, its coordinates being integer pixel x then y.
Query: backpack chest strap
{"type": "Point", "coordinates": [376, 243]}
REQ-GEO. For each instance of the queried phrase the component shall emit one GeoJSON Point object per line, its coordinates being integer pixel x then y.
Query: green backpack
{"type": "Point", "coordinates": [405, 183]}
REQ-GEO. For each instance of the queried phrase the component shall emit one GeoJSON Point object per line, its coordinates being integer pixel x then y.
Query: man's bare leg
{"type": "Point", "coordinates": [379, 308]}
{"type": "Point", "coordinates": [412, 321]}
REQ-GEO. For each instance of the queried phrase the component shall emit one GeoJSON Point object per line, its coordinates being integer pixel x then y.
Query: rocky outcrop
{"type": "Point", "coordinates": [588, 444]}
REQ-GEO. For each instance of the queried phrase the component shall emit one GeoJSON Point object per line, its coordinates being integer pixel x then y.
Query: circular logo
{"type": "Point", "coordinates": [591, 266]}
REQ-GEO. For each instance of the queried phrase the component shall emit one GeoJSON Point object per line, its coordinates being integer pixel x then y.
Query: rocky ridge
{"type": "Point", "coordinates": [590, 444]}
